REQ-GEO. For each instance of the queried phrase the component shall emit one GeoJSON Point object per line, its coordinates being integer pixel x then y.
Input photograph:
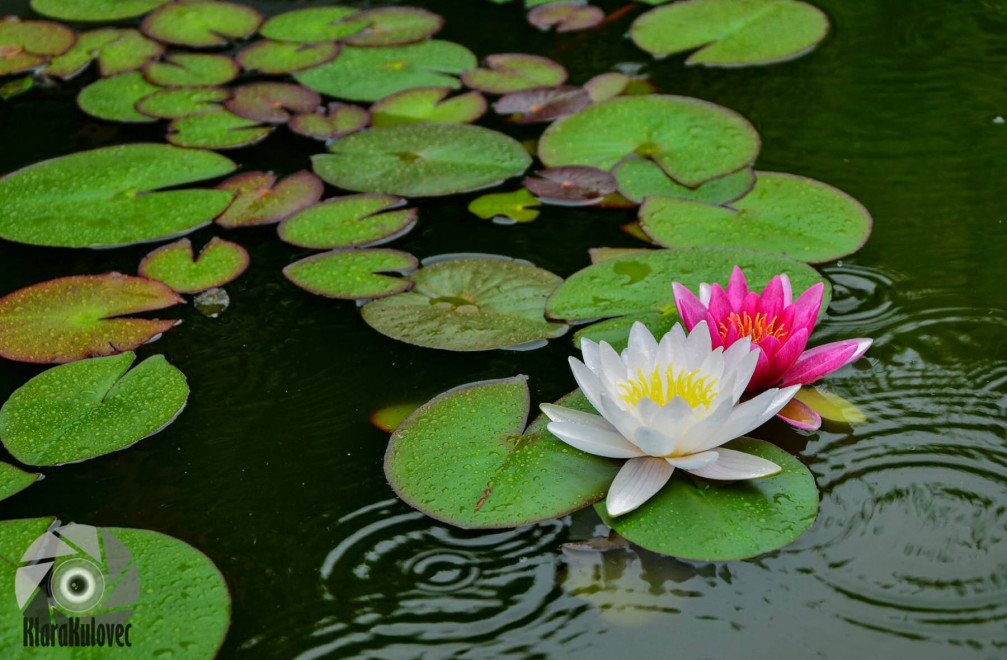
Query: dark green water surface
{"type": "Point", "coordinates": [275, 473]}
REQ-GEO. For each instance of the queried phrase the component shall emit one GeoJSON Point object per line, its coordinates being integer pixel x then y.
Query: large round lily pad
{"type": "Point", "coordinates": [428, 104]}
{"type": "Point", "coordinates": [275, 57]}
{"type": "Point", "coordinates": [717, 521]}
{"type": "Point", "coordinates": [201, 22]}
{"type": "Point", "coordinates": [72, 317]}
{"type": "Point", "coordinates": [392, 26]}
{"type": "Point", "coordinates": [467, 459]}
{"type": "Point", "coordinates": [13, 480]}
{"type": "Point", "coordinates": [115, 98]}
{"type": "Point", "coordinates": [105, 197]}
{"type": "Point", "coordinates": [261, 200]}
{"type": "Point", "coordinates": [191, 70]}
{"type": "Point", "coordinates": [422, 160]}
{"type": "Point", "coordinates": [311, 25]}
{"type": "Point", "coordinates": [469, 304]}
{"type": "Point", "coordinates": [182, 101]}
{"type": "Point", "coordinates": [692, 140]}
{"type": "Point", "coordinates": [25, 45]}
{"type": "Point", "coordinates": [94, 10]}
{"type": "Point", "coordinates": [353, 274]}
{"type": "Point", "coordinates": [731, 32]}
{"type": "Point", "coordinates": [218, 263]}
{"type": "Point", "coordinates": [801, 218]}
{"type": "Point", "coordinates": [117, 51]}
{"type": "Point", "coordinates": [641, 282]}
{"type": "Point", "coordinates": [350, 221]}
{"type": "Point", "coordinates": [369, 74]}
{"type": "Point", "coordinates": [216, 129]}
{"type": "Point", "coordinates": [638, 178]}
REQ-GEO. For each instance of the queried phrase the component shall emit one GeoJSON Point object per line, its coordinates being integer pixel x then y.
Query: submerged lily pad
{"type": "Point", "coordinates": [514, 72]}
{"type": "Point", "coordinates": [13, 480]}
{"type": "Point", "coordinates": [801, 218]}
{"type": "Point", "coordinates": [353, 274]}
{"type": "Point", "coordinates": [565, 16]}
{"type": "Point", "coordinates": [90, 408]}
{"type": "Point", "coordinates": [392, 26]}
{"type": "Point", "coordinates": [25, 45]}
{"type": "Point", "coordinates": [260, 200]}
{"type": "Point", "coordinates": [428, 104]}
{"type": "Point", "coordinates": [692, 140]}
{"type": "Point", "coordinates": [638, 178]}
{"type": "Point", "coordinates": [466, 458]}
{"type": "Point", "coordinates": [174, 264]}
{"type": "Point", "coordinates": [182, 101]}
{"type": "Point", "coordinates": [115, 98]}
{"type": "Point", "coordinates": [422, 160]}
{"type": "Point", "coordinates": [191, 69]}
{"type": "Point", "coordinates": [275, 57]}
{"type": "Point", "coordinates": [105, 197]}
{"type": "Point", "coordinates": [515, 205]}
{"type": "Point", "coordinates": [86, 11]}
{"type": "Point", "coordinates": [718, 521]}
{"type": "Point", "coordinates": [830, 405]}
{"type": "Point", "coordinates": [312, 25]}
{"type": "Point", "coordinates": [272, 102]}
{"type": "Point", "coordinates": [642, 282]}
{"type": "Point", "coordinates": [337, 120]}
{"type": "Point", "coordinates": [350, 221]}
{"type": "Point", "coordinates": [70, 318]}
{"type": "Point", "coordinates": [370, 74]}
{"type": "Point", "coordinates": [216, 129]}
{"type": "Point", "coordinates": [469, 304]}
{"type": "Point", "coordinates": [117, 51]}
{"type": "Point", "coordinates": [390, 417]}
{"type": "Point", "coordinates": [16, 87]}
{"type": "Point", "coordinates": [731, 32]}
{"type": "Point", "coordinates": [201, 22]}
{"type": "Point", "coordinates": [542, 104]}
{"type": "Point", "coordinates": [607, 86]}
{"type": "Point", "coordinates": [571, 186]}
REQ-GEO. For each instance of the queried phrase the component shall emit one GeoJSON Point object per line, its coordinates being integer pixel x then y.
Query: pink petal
{"type": "Point", "coordinates": [807, 306]}
{"type": "Point", "coordinates": [800, 415]}
{"type": "Point", "coordinates": [770, 345]}
{"type": "Point", "coordinates": [714, 330]}
{"type": "Point", "coordinates": [759, 380]}
{"type": "Point", "coordinates": [823, 360]}
{"type": "Point", "coordinates": [771, 300]}
{"type": "Point", "coordinates": [719, 306]}
{"type": "Point", "coordinates": [737, 289]}
{"type": "Point", "coordinates": [751, 304]}
{"type": "Point", "coordinates": [689, 306]}
{"type": "Point", "coordinates": [787, 355]}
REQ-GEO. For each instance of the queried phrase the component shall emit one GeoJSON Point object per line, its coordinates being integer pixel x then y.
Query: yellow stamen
{"type": "Point", "coordinates": [663, 385]}
{"type": "Point", "coordinates": [758, 328]}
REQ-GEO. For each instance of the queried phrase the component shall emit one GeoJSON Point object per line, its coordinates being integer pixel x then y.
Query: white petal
{"type": "Point", "coordinates": [588, 382]}
{"type": "Point", "coordinates": [735, 352]}
{"type": "Point", "coordinates": [697, 346]}
{"type": "Point", "coordinates": [625, 422]}
{"type": "Point", "coordinates": [637, 481]}
{"type": "Point", "coordinates": [653, 442]}
{"type": "Point", "coordinates": [733, 465]}
{"type": "Point", "coordinates": [675, 418]}
{"type": "Point", "coordinates": [593, 440]}
{"type": "Point", "coordinates": [694, 461]}
{"type": "Point", "coordinates": [642, 348]}
{"type": "Point", "coordinates": [705, 290]}
{"type": "Point", "coordinates": [561, 414]}
{"type": "Point", "coordinates": [743, 372]}
{"type": "Point", "coordinates": [713, 365]}
{"type": "Point", "coordinates": [613, 369]}
{"type": "Point", "coordinates": [670, 346]}
{"type": "Point", "coordinates": [748, 415]}
{"type": "Point", "coordinates": [698, 437]}
{"type": "Point", "coordinates": [589, 350]}
{"type": "Point", "coordinates": [788, 291]}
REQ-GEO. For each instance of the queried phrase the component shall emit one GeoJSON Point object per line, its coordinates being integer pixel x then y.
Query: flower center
{"type": "Point", "coordinates": [757, 328]}
{"type": "Point", "coordinates": [663, 385]}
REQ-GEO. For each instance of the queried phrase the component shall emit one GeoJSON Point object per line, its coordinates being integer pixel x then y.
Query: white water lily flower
{"type": "Point", "coordinates": [666, 406]}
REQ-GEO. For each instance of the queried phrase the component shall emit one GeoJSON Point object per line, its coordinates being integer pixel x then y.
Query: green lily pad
{"type": "Point", "coordinates": [87, 47]}
{"type": "Point", "coordinates": [335, 121]}
{"type": "Point", "coordinates": [466, 458]}
{"type": "Point", "coordinates": [566, 16]}
{"type": "Point", "coordinates": [13, 480]}
{"type": "Point", "coordinates": [272, 102]}
{"type": "Point", "coordinates": [599, 255]}
{"type": "Point", "coordinates": [16, 87]}
{"type": "Point", "coordinates": [390, 417]}
{"type": "Point", "coordinates": [801, 218]}
{"type": "Point", "coordinates": [86, 11]}
{"type": "Point", "coordinates": [717, 522]}
{"type": "Point", "coordinates": [428, 104]}
{"type": "Point", "coordinates": [115, 98]}
{"type": "Point", "coordinates": [422, 160]}
{"type": "Point", "coordinates": [692, 140]}
{"type": "Point", "coordinates": [276, 57]}
{"type": "Point", "coordinates": [191, 70]}
{"type": "Point", "coordinates": [25, 45]}
{"type": "Point", "coordinates": [174, 264]}
{"type": "Point", "coordinates": [312, 25]}
{"type": "Point", "coordinates": [515, 205]}
{"type": "Point", "coordinates": [638, 178]}
{"type": "Point", "coordinates": [353, 274]}
{"type": "Point", "coordinates": [370, 74]}
{"type": "Point", "coordinates": [615, 331]}
{"type": "Point", "coordinates": [105, 197]}
{"type": "Point", "coordinates": [216, 129]}
{"type": "Point", "coordinates": [642, 282]}
{"type": "Point", "coordinates": [117, 51]}
{"type": "Point", "coordinates": [607, 86]}
{"type": "Point", "coordinates": [469, 304]}
{"type": "Point", "coordinates": [71, 318]}
{"type": "Point", "coordinates": [350, 221]}
{"type": "Point", "coordinates": [182, 101]}
{"type": "Point", "coordinates": [260, 200]}
{"type": "Point", "coordinates": [542, 104]}
{"type": "Point", "coordinates": [90, 408]}
{"type": "Point", "coordinates": [731, 32]}
{"type": "Point", "coordinates": [393, 26]}
{"type": "Point", "coordinates": [514, 72]}
{"type": "Point", "coordinates": [201, 23]}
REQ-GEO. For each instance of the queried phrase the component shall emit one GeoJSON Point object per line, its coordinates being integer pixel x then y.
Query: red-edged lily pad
{"type": "Point", "coordinates": [201, 23]}
{"type": "Point", "coordinates": [191, 69]}
{"type": "Point", "coordinates": [517, 205]}
{"type": "Point", "coordinates": [428, 104]}
{"type": "Point", "coordinates": [393, 26]}
{"type": "Point", "coordinates": [542, 104]}
{"type": "Point", "coordinates": [513, 72]}
{"type": "Point", "coordinates": [337, 120]}
{"type": "Point", "coordinates": [94, 10]}
{"type": "Point", "coordinates": [565, 16]}
{"type": "Point", "coordinates": [353, 274]}
{"type": "Point", "coordinates": [25, 45]}
{"type": "Point", "coordinates": [571, 186]}
{"type": "Point", "coordinates": [312, 25]}
{"type": "Point", "coordinates": [271, 102]}
{"type": "Point", "coordinates": [216, 129]}
{"type": "Point", "coordinates": [276, 57]}
{"type": "Point", "coordinates": [175, 264]}
{"type": "Point", "coordinates": [71, 318]}
{"type": "Point", "coordinates": [349, 221]}
{"type": "Point", "coordinates": [260, 200]}
{"type": "Point", "coordinates": [117, 51]}
{"type": "Point", "coordinates": [182, 101]}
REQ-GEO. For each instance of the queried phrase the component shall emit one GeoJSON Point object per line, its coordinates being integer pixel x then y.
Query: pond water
{"type": "Point", "coordinates": [274, 471]}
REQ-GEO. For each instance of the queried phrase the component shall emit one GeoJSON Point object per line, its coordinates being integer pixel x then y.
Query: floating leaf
{"type": "Point", "coordinates": [392, 26]}
{"type": "Point", "coordinates": [182, 101]}
{"type": "Point", "coordinates": [466, 458]}
{"type": "Point", "coordinates": [607, 86]}
{"type": "Point", "coordinates": [428, 104]}
{"type": "Point", "coordinates": [642, 282]}
{"type": "Point", "coordinates": [571, 186]}
{"type": "Point", "coordinates": [191, 69]}
{"type": "Point", "coordinates": [830, 405]}
{"type": "Point", "coordinates": [312, 25]}
{"type": "Point", "coordinates": [17, 87]}
{"type": "Point", "coordinates": [115, 98]}
{"type": "Point", "coordinates": [692, 140]}
{"type": "Point", "coordinates": [216, 129]}
{"type": "Point", "coordinates": [514, 72]}
{"type": "Point", "coordinates": [514, 205]}
{"type": "Point", "coordinates": [13, 480]}
{"type": "Point", "coordinates": [638, 177]}
{"type": "Point", "coordinates": [271, 102]}
{"type": "Point", "coordinates": [717, 521]}
{"type": "Point", "coordinates": [469, 304]}
{"type": "Point", "coordinates": [616, 331]}
{"type": "Point", "coordinates": [731, 32]}
{"type": "Point", "coordinates": [103, 198]}
{"type": "Point", "coordinates": [25, 45]}
{"type": "Point", "coordinates": [370, 74]}
{"type": "Point", "coordinates": [565, 16]}
{"type": "Point", "coordinates": [260, 200]}
{"type": "Point", "coordinates": [353, 274]}
{"type": "Point", "coordinates": [201, 23]}
{"type": "Point", "coordinates": [350, 221]}
{"type": "Point", "coordinates": [801, 218]}
{"type": "Point", "coordinates": [117, 51]}
{"type": "Point", "coordinates": [542, 104]}
{"type": "Point", "coordinates": [390, 417]}
{"type": "Point", "coordinates": [218, 263]}
{"type": "Point", "coordinates": [421, 160]}
{"type": "Point", "coordinates": [337, 120]}
{"type": "Point", "coordinates": [275, 57]}
{"type": "Point", "coordinates": [90, 408]}
{"type": "Point", "coordinates": [94, 10]}
{"type": "Point", "coordinates": [70, 318]}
